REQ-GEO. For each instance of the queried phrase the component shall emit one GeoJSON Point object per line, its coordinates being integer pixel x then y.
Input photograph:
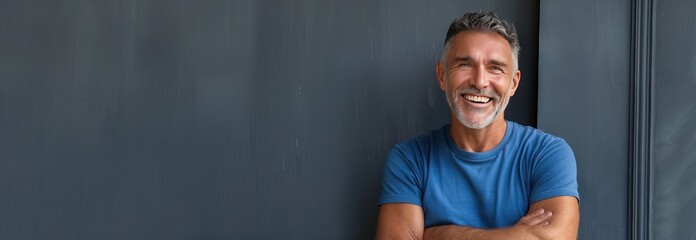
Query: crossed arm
{"type": "Point", "coordinates": [553, 218]}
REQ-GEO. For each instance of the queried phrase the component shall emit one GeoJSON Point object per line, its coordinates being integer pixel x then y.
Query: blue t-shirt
{"type": "Point", "coordinates": [483, 190]}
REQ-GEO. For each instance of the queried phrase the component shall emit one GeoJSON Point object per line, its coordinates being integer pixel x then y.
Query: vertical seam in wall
{"type": "Point", "coordinates": [641, 119]}
{"type": "Point", "coordinates": [535, 106]}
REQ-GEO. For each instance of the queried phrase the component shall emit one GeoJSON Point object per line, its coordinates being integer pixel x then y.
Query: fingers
{"type": "Point", "coordinates": [531, 216]}
{"type": "Point", "coordinates": [538, 217]}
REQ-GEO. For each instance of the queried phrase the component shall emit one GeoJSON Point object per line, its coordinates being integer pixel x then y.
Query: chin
{"type": "Point", "coordinates": [480, 123]}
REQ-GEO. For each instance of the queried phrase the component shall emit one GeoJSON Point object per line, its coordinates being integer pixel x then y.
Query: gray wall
{"type": "Point", "coordinates": [584, 86]}
{"type": "Point", "coordinates": [591, 65]}
{"type": "Point", "coordinates": [218, 119]}
{"type": "Point", "coordinates": [673, 212]}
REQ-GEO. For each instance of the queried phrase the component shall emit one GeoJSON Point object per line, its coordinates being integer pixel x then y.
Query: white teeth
{"type": "Point", "coordinates": [478, 99]}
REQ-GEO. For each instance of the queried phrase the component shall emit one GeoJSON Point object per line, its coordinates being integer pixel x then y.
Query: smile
{"type": "Point", "coordinates": [476, 99]}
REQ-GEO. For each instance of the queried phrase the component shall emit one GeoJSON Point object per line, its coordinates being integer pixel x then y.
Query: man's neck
{"type": "Point", "coordinates": [478, 140]}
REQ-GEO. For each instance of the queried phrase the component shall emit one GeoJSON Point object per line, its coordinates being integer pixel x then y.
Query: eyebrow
{"type": "Point", "coordinates": [463, 59]}
{"type": "Point", "coordinates": [498, 63]}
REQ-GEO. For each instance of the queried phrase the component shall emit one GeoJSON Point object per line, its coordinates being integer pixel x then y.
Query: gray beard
{"type": "Point", "coordinates": [456, 106]}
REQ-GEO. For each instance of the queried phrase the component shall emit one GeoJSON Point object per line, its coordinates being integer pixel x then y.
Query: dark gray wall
{"type": "Point", "coordinates": [674, 153]}
{"type": "Point", "coordinates": [218, 119]}
{"type": "Point", "coordinates": [584, 86]}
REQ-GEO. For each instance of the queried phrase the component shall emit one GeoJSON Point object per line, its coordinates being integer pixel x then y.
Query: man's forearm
{"type": "Point", "coordinates": [464, 233]}
{"type": "Point", "coordinates": [534, 225]}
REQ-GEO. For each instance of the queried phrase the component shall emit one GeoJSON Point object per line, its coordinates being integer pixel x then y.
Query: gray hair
{"type": "Point", "coordinates": [484, 22]}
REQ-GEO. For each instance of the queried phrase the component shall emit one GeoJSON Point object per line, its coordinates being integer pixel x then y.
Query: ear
{"type": "Point", "coordinates": [440, 71]}
{"type": "Point", "coordinates": [515, 82]}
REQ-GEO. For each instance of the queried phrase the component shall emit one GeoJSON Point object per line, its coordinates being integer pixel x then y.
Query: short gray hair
{"type": "Point", "coordinates": [484, 22]}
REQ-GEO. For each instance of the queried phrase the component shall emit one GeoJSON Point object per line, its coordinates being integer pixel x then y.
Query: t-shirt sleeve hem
{"type": "Point", "coordinates": [556, 193]}
{"type": "Point", "coordinates": [399, 199]}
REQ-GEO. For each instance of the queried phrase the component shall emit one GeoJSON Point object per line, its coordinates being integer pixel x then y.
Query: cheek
{"type": "Point", "coordinates": [456, 78]}
{"type": "Point", "coordinates": [503, 85]}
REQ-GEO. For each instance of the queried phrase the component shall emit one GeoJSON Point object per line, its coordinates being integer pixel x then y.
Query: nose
{"type": "Point", "coordinates": [480, 79]}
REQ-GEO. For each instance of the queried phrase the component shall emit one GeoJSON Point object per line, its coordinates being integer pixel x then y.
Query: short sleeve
{"type": "Point", "coordinates": [554, 172]}
{"type": "Point", "coordinates": [402, 179]}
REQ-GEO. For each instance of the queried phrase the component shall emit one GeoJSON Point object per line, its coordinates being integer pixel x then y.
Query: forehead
{"type": "Point", "coordinates": [480, 45]}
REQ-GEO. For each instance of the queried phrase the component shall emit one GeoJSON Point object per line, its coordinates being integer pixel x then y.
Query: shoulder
{"type": "Point", "coordinates": [546, 152]}
{"type": "Point", "coordinates": [415, 153]}
{"type": "Point", "coordinates": [551, 163]}
{"type": "Point", "coordinates": [422, 145]}
{"type": "Point", "coordinates": [537, 140]}
{"type": "Point", "coordinates": [541, 150]}
{"type": "Point", "coordinates": [405, 170]}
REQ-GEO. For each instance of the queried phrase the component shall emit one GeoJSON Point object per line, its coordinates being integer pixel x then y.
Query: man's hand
{"type": "Point", "coordinates": [537, 217]}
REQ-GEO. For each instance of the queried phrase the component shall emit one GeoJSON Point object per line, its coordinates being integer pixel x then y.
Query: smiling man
{"type": "Point", "coordinates": [480, 177]}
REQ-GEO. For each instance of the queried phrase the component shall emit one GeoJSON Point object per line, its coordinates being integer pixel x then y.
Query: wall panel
{"type": "Point", "coordinates": [154, 119]}
{"type": "Point", "coordinates": [674, 128]}
{"type": "Point", "coordinates": [584, 86]}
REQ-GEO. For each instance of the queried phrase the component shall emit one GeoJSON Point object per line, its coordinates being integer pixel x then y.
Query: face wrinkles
{"type": "Point", "coordinates": [478, 82]}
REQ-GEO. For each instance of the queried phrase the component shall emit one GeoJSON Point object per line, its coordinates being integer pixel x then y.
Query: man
{"type": "Point", "coordinates": [481, 177]}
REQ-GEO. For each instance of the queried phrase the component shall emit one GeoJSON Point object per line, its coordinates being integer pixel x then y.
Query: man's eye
{"type": "Point", "coordinates": [464, 65]}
